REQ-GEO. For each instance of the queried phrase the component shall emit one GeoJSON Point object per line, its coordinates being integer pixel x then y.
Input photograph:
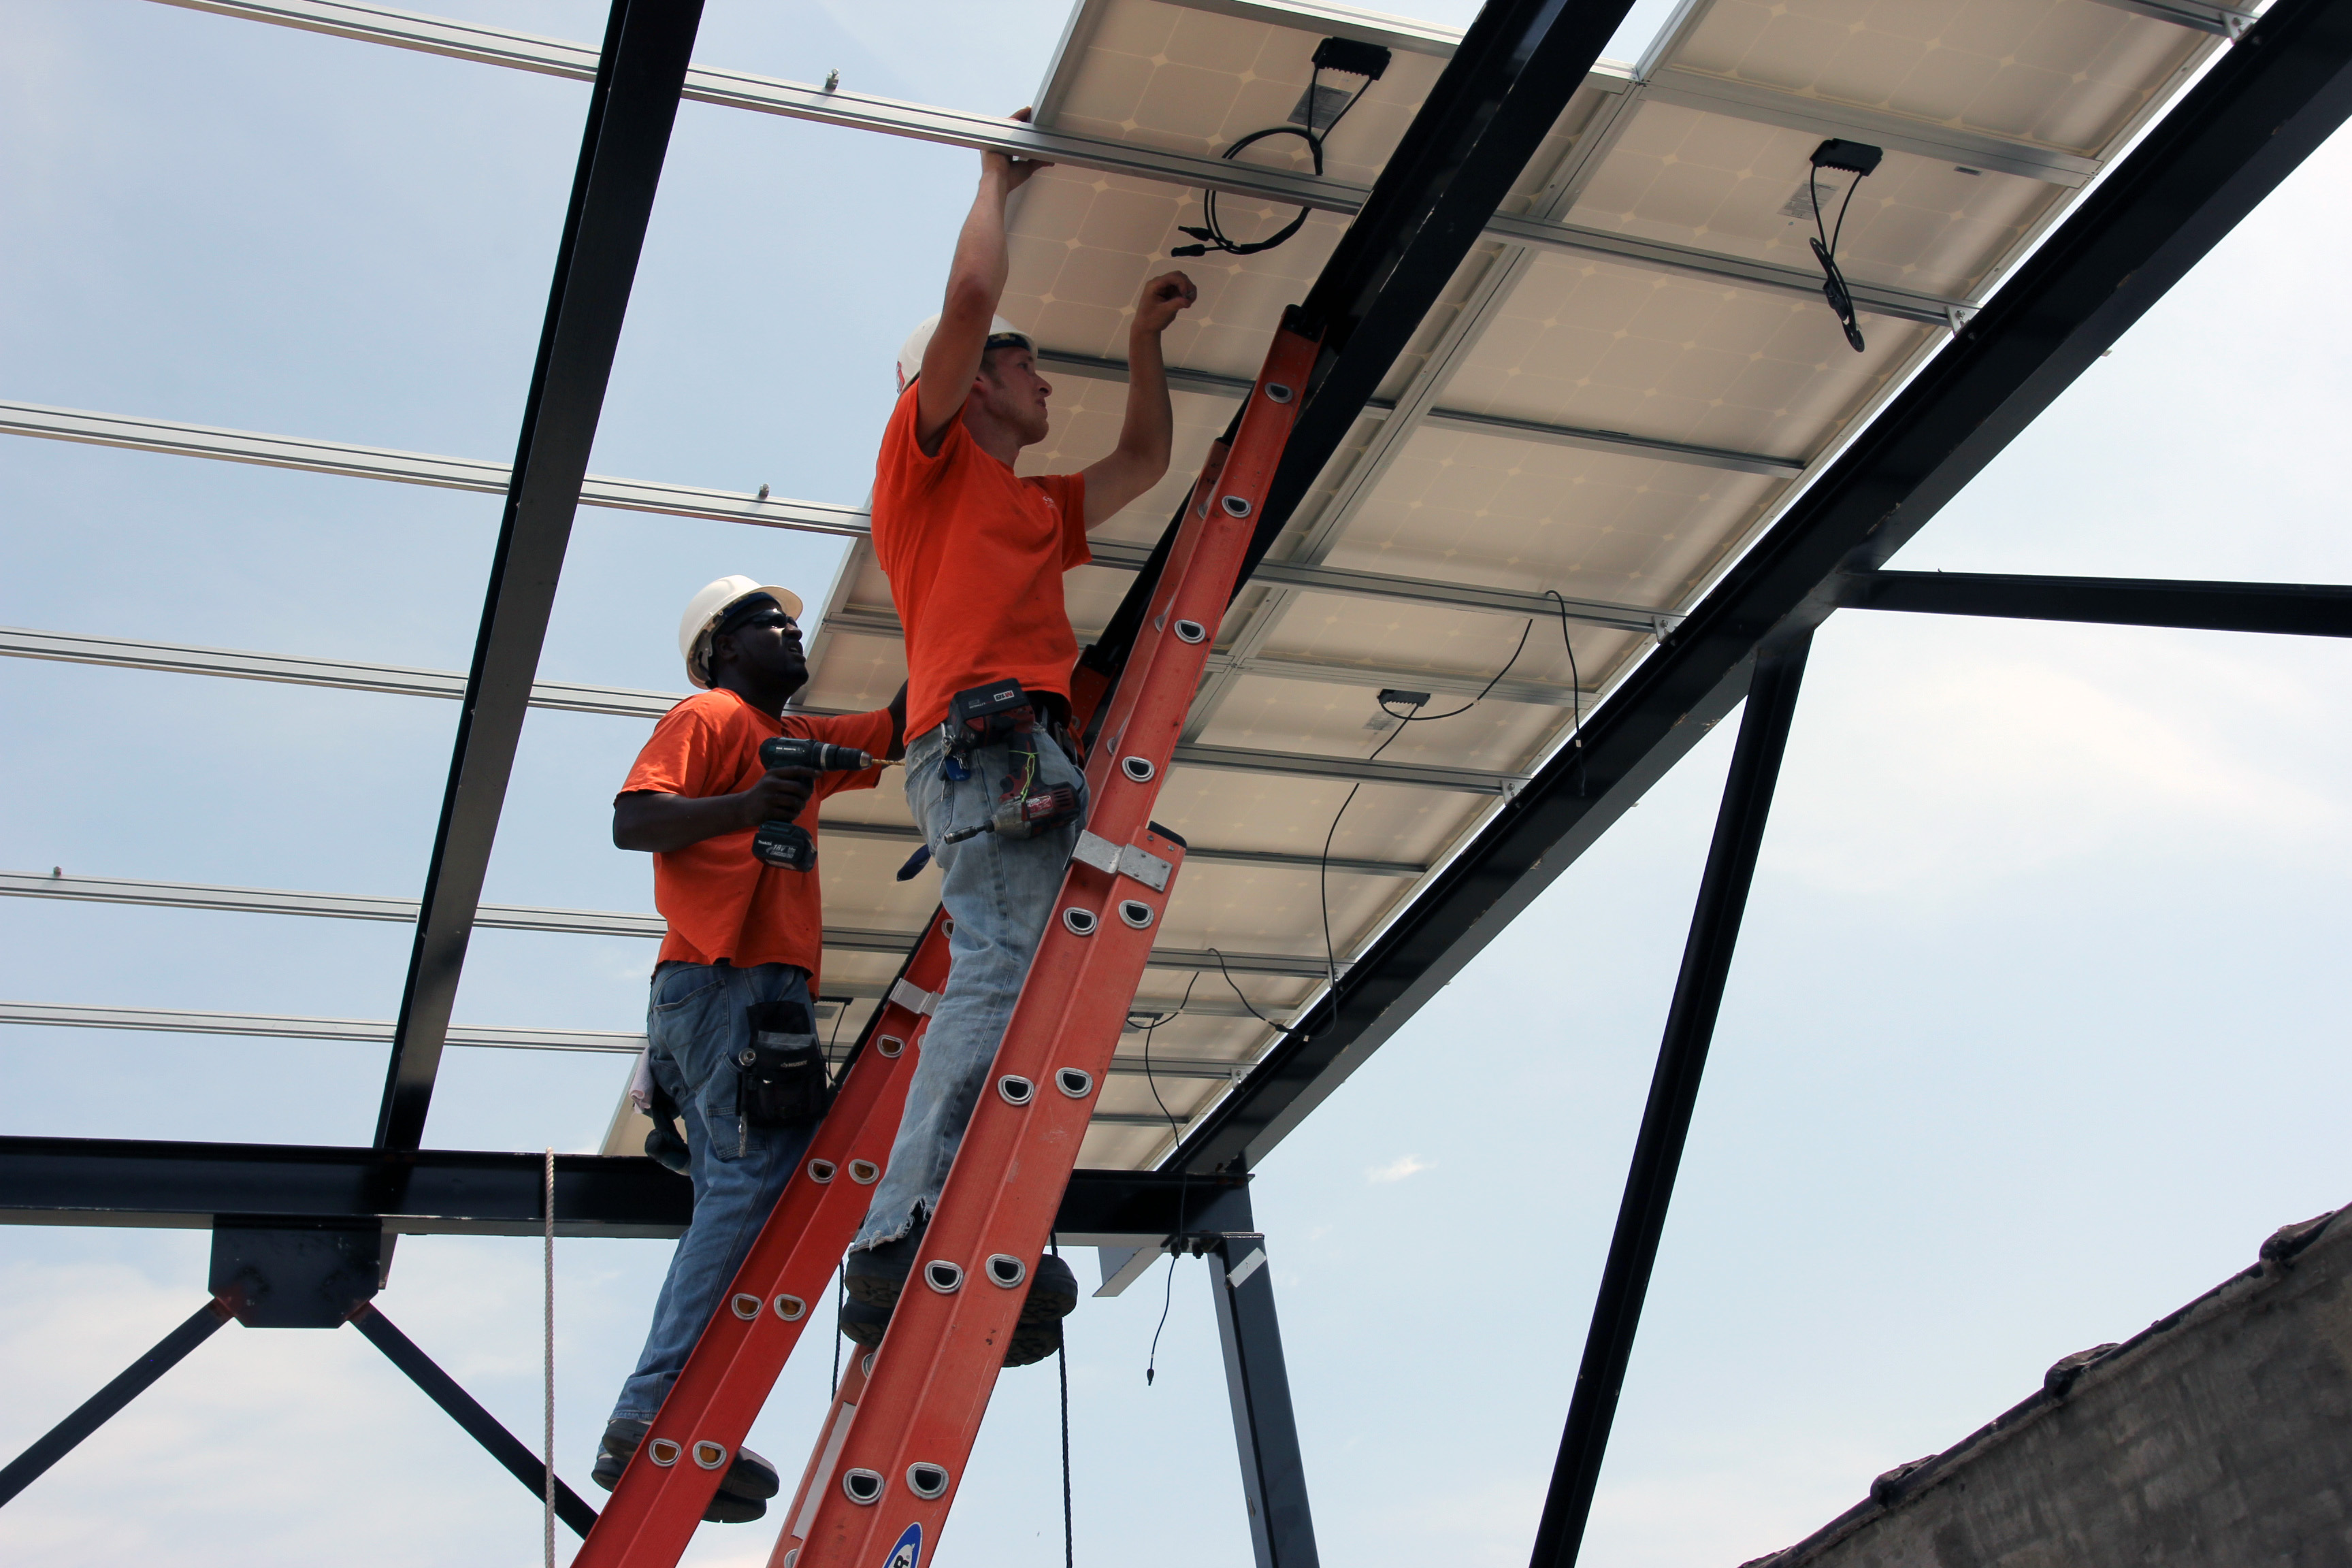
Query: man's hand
{"type": "Point", "coordinates": [1161, 297]}
{"type": "Point", "coordinates": [779, 795]}
{"type": "Point", "coordinates": [1141, 456]}
{"type": "Point", "coordinates": [1011, 171]}
{"type": "Point", "coordinates": [652, 820]}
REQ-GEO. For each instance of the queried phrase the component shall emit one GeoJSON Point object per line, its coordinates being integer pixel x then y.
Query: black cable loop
{"type": "Point", "coordinates": [1212, 234]}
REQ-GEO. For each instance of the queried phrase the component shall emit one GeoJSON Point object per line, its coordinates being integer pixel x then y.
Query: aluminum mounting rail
{"type": "Point", "coordinates": [485, 1036]}
{"type": "Point", "coordinates": [523, 917]}
{"type": "Point", "coordinates": [1433, 39]}
{"type": "Point", "coordinates": [1617, 443]}
{"type": "Point", "coordinates": [618, 700]}
{"type": "Point", "coordinates": [176, 438]}
{"type": "Point", "coordinates": [295, 669]}
{"type": "Point", "coordinates": [1270, 859]}
{"type": "Point", "coordinates": [865, 620]}
{"type": "Point", "coordinates": [1897, 132]}
{"type": "Point", "coordinates": [956, 128]}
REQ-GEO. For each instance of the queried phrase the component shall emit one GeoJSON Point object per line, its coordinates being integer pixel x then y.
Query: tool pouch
{"type": "Point", "coordinates": [782, 1075]}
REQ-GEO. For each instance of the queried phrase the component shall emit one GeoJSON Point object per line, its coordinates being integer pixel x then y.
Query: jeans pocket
{"type": "Point", "coordinates": [719, 1100]}
{"type": "Point", "coordinates": [689, 1025]}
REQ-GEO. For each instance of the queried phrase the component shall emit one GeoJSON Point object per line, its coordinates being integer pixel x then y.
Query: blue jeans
{"type": "Point", "coordinates": [999, 892]}
{"type": "Point", "coordinates": [695, 1023]}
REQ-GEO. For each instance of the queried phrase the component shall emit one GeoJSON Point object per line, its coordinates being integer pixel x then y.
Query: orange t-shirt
{"type": "Point", "coordinates": [719, 901]}
{"type": "Point", "coordinates": [975, 557]}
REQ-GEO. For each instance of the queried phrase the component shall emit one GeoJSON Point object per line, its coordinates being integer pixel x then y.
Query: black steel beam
{"type": "Point", "coordinates": [137, 1182]}
{"type": "Point", "coordinates": [2294, 609]}
{"type": "Point", "coordinates": [60, 1439]}
{"type": "Point", "coordinates": [647, 46]}
{"type": "Point", "coordinates": [1674, 1096]}
{"type": "Point", "coordinates": [1274, 1476]}
{"type": "Point", "coordinates": [2244, 127]}
{"type": "Point", "coordinates": [1500, 94]}
{"type": "Point", "coordinates": [448, 1192]}
{"type": "Point", "coordinates": [467, 1411]}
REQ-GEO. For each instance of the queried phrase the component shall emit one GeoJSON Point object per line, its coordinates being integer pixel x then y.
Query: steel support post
{"type": "Point", "coordinates": [1274, 1482]}
{"type": "Point", "coordinates": [647, 47]}
{"type": "Point", "coordinates": [99, 1408]}
{"type": "Point", "coordinates": [467, 1411]}
{"type": "Point", "coordinates": [1674, 1094]}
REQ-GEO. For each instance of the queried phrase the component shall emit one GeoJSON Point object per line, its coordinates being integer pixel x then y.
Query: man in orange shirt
{"type": "Point", "coordinates": [975, 556]}
{"type": "Point", "coordinates": [735, 967]}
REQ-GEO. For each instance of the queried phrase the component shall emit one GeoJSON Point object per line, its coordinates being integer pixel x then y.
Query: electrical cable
{"type": "Point", "coordinates": [840, 1305]}
{"type": "Point", "coordinates": [1212, 234]}
{"type": "Point", "coordinates": [1575, 689]}
{"type": "Point", "coordinates": [1323, 867]}
{"type": "Point", "coordinates": [1834, 287]}
{"type": "Point", "coordinates": [1184, 1181]}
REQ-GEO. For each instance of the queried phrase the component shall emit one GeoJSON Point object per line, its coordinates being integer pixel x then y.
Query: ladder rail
{"type": "Point", "coordinates": [776, 1293]}
{"type": "Point", "coordinates": [824, 1460]}
{"type": "Point", "coordinates": [918, 1414]}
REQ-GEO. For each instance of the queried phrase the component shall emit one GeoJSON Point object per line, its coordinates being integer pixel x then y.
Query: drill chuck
{"type": "Point", "coordinates": [791, 751]}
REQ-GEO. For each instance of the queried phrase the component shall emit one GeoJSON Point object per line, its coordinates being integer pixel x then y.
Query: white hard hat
{"type": "Point", "coordinates": [1002, 334]}
{"type": "Point", "coordinates": [709, 608]}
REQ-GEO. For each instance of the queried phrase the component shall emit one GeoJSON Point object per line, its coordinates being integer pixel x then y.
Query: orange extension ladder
{"type": "Point", "coordinates": [877, 1493]}
{"type": "Point", "coordinates": [907, 1413]}
{"type": "Point", "coordinates": [776, 1293]}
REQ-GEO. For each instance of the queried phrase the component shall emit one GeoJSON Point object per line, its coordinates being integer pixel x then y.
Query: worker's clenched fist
{"type": "Point", "coordinates": [778, 796]}
{"type": "Point", "coordinates": [1161, 298]}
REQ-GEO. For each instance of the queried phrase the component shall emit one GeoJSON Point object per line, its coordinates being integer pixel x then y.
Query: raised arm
{"type": "Point", "coordinates": [1136, 464]}
{"type": "Point", "coordinates": [975, 284]}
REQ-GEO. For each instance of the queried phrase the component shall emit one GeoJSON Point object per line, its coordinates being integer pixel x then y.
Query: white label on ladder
{"type": "Point", "coordinates": [1126, 861]}
{"type": "Point", "coordinates": [914, 998]}
{"type": "Point", "coordinates": [824, 1475]}
{"type": "Point", "coordinates": [1246, 1267]}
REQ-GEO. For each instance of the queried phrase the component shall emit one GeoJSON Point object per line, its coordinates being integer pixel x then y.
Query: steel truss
{"type": "Point", "coordinates": [2233, 138]}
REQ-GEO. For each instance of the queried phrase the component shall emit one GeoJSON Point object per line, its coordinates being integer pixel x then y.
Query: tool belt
{"type": "Point", "coordinates": [780, 1074]}
{"type": "Point", "coordinates": [1003, 713]}
{"type": "Point", "coordinates": [998, 712]}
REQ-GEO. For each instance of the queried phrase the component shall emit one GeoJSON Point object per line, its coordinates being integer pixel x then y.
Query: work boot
{"type": "Point", "coordinates": [742, 1491]}
{"type": "Point", "coordinates": [876, 1275]}
{"type": "Point", "coordinates": [1053, 1293]}
{"type": "Point", "coordinates": [865, 1325]}
{"type": "Point", "coordinates": [1052, 1296]}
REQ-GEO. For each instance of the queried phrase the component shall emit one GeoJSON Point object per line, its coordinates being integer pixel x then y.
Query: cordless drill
{"type": "Point", "coordinates": [785, 843]}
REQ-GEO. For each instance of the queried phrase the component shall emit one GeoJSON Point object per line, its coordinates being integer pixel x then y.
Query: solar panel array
{"type": "Point", "coordinates": [1606, 407]}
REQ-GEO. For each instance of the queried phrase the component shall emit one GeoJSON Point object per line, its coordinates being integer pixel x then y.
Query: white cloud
{"type": "Point", "coordinates": [2019, 749]}
{"type": "Point", "coordinates": [1398, 1169]}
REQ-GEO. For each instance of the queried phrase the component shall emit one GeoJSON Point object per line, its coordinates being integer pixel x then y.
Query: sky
{"type": "Point", "coordinates": [2033, 1034]}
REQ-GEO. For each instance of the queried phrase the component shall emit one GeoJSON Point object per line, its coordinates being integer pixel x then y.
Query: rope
{"type": "Point", "coordinates": [548, 1205]}
{"type": "Point", "coordinates": [1069, 1536]}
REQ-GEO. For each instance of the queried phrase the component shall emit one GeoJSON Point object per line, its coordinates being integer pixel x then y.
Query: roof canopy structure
{"type": "Point", "coordinates": [1616, 455]}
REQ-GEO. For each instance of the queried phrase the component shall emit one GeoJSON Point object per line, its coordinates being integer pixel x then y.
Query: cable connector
{"type": "Point", "coordinates": [1858, 159]}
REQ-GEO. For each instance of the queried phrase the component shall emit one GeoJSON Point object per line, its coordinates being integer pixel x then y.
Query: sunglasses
{"type": "Point", "coordinates": [765, 618]}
